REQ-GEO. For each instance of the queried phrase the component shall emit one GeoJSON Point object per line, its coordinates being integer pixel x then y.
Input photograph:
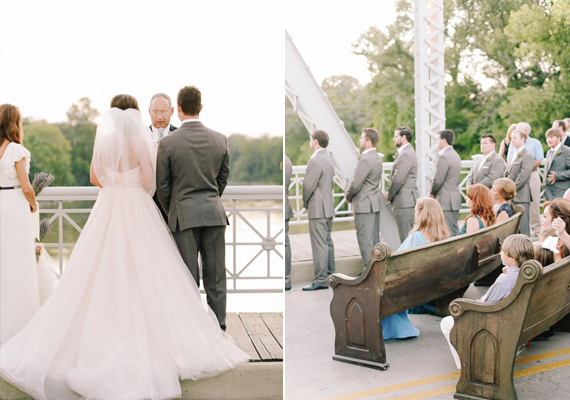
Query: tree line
{"type": "Point", "coordinates": [65, 150]}
{"type": "Point", "coordinates": [520, 47]}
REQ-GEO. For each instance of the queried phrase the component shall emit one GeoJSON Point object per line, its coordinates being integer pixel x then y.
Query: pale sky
{"type": "Point", "coordinates": [53, 52]}
{"type": "Point", "coordinates": [325, 30]}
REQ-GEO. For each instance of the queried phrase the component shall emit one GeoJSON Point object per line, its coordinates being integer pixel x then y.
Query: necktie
{"type": "Point", "coordinates": [160, 133]}
{"type": "Point", "coordinates": [549, 158]}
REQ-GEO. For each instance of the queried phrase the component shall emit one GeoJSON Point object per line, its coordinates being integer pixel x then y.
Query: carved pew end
{"type": "Point", "coordinates": [362, 363]}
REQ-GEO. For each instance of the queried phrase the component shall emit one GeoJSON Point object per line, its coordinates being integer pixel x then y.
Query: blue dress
{"type": "Point", "coordinates": [398, 326]}
{"type": "Point", "coordinates": [505, 207]}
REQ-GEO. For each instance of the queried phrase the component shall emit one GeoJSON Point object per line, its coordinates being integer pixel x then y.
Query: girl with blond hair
{"type": "Point", "coordinates": [430, 227]}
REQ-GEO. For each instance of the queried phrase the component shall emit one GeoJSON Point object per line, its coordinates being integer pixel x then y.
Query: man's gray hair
{"type": "Point", "coordinates": [167, 97]}
{"type": "Point", "coordinates": [524, 126]}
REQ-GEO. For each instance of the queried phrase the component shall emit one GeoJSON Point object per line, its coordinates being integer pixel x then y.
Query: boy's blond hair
{"type": "Point", "coordinates": [519, 247]}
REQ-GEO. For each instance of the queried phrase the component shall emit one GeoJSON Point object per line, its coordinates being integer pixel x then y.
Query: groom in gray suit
{"type": "Point", "coordinates": [364, 193]}
{"type": "Point", "coordinates": [445, 184]}
{"type": "Point", "coordinates": [402, 189]}
{"type": "Point", "coordinates": [191, 174]}
{"type": "Point", "coordinates": [318, 201]}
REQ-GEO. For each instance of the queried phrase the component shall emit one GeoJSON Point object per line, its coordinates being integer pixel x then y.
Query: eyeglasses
{"type": "Point", "coordinates": [164, 113]}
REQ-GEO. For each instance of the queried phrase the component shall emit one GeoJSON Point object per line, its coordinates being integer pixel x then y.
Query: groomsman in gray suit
{"type": "Point", "coordinates": [402, 189]}
{"type": "Point", "coordinates": [557, 165]}
{"type": "Point", "coordinates": [288, 169]}
{"type": "Point", "coordinates": [364, 193]}
{"type": "Point", "coordinates": [191, 174]}
{"type": "Point", "coordinates": [489, 167]}
{"type": "Point", "coordinates": [318, 201]}
{"type": "Point", "coordinates": [519, 170]}
{"type": "Point", "coordinates": [445, 184]}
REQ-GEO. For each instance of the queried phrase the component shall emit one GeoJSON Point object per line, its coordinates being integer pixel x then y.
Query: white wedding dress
{"type": "Point", "coordinates": [126, 319]}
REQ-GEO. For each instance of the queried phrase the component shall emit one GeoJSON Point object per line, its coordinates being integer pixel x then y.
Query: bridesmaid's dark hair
{"type": "Point", "coordinates": [10, 124]}
{"type": "Point", "coordinates": [124, 102]}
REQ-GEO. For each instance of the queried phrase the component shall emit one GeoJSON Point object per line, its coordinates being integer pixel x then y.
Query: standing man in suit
{"type": "Point", "coordinates": [519, 170]}
{"type": "Point", "coordinates": [534, 147]}
{"type": "Point", "coordinates": [402, 189]}
{"type": "Point", "coordinates": [191, 174]}
{"type": "Point", "coordinates": [160, 112]}
{"type": "Point", "coordinates": [288, 169]}
{"type": "Point", "coordinates": [364, 193]}
{"type": "Point", "coordinates": [560, 124]}
{"type": "Point", "coordinates": [557, 165]}
{"type": "Point", "coordinates": [318, 201]}
{"type": "Point", "coordinates": [489, 167]}
{"type": "Point", "coordinates": [445, 184]}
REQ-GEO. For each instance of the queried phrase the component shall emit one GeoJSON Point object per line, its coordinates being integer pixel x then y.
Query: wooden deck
{"type": "Point", "coordinates": [258, 334]}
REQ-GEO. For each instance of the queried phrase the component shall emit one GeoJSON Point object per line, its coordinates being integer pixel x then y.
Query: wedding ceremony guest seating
{"type": "Point", "coordinates": [394, 282]}
{"type": "Point", "coordinates": [488, 335]}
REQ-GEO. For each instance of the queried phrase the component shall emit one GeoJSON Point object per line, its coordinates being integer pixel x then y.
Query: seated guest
{"type": "Point", "coordinates": [503, 191]}
{"type": "Point", "coordinates": [480, 202]}
{"type": "Point", "coordinates": [543, 255]}
{"type": "Point", "coordinates": [557, 215]}
{"type": "Point", "coordinates": [514, 252]}
{"type": "Point", "coordinates": [549, 240]}
{"type": "Point", "coordinates": [430, 227]}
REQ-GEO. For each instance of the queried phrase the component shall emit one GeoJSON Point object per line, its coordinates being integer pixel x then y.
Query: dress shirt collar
{"type": "Point", "coordinates": [441, 151]}
{"type": "Point", "coordinates": [401, 148]}
{"type": "Point", "coordinates": [485, 158]}
{"type": "Point", "coordinates": [556, 148]}
{"type": "Point", "coordinates": [155, 134]}
{"type": "Point", "coordinates": [368, 151]}
{"type": "Point", "coordinates": [315, 153]}
{"type": "Point", "coordinates": [189, 120]}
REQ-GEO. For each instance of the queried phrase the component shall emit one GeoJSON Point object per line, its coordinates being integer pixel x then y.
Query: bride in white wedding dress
{"type": "Point", "coordinates": [126, 320]}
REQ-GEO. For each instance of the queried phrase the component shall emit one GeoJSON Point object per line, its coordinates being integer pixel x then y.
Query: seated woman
{"type": "Point", "coordinates": [514, 252]}
{"type": "Point", "coordinates": [430, 227]}
{"type": "Point", "coordinates": [549, 240]}
{"type": "Point", "coordinates": [503, 191]}
{"type": "Point", "coordinates": [481, 203]}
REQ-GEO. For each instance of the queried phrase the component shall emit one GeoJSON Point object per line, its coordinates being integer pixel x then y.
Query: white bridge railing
{"type": "Point", "coordinates": [254, 239]}
{"type": "Point", "coordinates": [343, 210]}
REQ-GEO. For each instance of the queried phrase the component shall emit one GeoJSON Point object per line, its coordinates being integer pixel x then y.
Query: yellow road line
{"type": "Point", "coordinates": [454, 375]}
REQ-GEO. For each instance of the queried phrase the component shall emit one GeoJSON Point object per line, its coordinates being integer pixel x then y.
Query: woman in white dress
{"type": "Point", "coordinates": [19, 295]}
{"type": "Point", "coordinates": [126, 320]}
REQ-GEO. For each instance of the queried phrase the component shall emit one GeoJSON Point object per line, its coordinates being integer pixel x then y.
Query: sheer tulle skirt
{"type": "Point", "coordinates": [126, 319]}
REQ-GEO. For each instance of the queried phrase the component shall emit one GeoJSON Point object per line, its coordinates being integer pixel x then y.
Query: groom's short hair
{"type": "Point", "coordinates": [190, 100]}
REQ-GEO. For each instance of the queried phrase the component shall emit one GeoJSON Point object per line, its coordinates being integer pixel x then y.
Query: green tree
{"type": "Point", "coordinates": [80, 131]}
{"type": "Point", "coordinates": [51, 152]}
{"type": "Point", "coordinates": [256, 160]}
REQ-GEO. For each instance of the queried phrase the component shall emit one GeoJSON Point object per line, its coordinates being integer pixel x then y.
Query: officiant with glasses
{"type": "Point", "coordinates": [161, 111]}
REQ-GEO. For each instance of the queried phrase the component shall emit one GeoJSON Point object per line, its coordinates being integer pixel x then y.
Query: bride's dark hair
{"type": "Point", "coordinates": [124, 102]}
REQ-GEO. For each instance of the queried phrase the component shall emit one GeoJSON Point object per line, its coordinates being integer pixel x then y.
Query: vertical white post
{"type": "Point", "coordinates": [429, 76]}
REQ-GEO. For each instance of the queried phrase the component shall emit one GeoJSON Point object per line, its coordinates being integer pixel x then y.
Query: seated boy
{"type": "Point", "coordinates": [515, 251]}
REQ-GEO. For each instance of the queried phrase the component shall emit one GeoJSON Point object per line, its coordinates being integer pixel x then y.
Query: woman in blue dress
{"type": "Point", "coordinates": [480, 201]}
{"type": "Point", "coordinates": [430, 227]}
{"type": "Point", "coordinates": [503, 191]}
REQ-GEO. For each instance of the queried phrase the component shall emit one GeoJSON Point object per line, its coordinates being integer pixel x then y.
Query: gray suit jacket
{"type": "Point", "coordinates": [288, 169]}
{"type": "Point", "coordinates": [364, 189]}
{"type": "Point", "coordinates": [445, 184]}
{"type": "Point", "coordinates": [492, 169]}
{"type": "Point", "coordinates": [318, 186]}
{"type": "Point", "coordinates": [520, 173]}
{"type": "Point", "coordinates": [403, 185]}
{"type": "Point", "coordinates": [192, 171]}
{"type": "Point", "coordinates": [561, 168]}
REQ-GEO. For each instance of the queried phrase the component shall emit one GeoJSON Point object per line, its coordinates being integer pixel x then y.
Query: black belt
{"type": "Point", "coordinates": [10, 187]}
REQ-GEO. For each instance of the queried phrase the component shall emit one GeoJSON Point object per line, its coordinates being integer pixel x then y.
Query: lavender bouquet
{"type": "Point", "coordinates": [45, 228]}
{"type": "Point", "coordinates": [41, 181]}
